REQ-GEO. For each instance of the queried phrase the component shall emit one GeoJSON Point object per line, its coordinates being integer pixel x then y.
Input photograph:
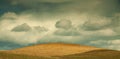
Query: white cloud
{"type": "Point", "coordinates": [114, 44]}
{"type": "Point", "coordinates": [10, 20]}
{"type": "Point", "coordinates": [107, 32]}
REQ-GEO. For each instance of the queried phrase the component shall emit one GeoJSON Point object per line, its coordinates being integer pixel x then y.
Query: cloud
{"type": "Point", "coordinates": [65, 28]}
{"type": "Point", "coordinates": [22, 28]}
{"type": "Point", "coordinates": [66, 32]}
{"type": "Point", "coordinates": [9, 16]}
{"type": "Point", "coordinates": [50, 1]}
{"type": "Point", "coordinates": [69, 32]}
{"type": "Point", "coordinates": [100, 7]}
{"type": "Point", "coordinates": [116, 23]}
{"type": "Point", "coordinates": [42, 15]}
{"type": "Point", "coordinates": [64, 24]}
{"type": "Point", "coordinates": [21, 38]}
{"type": "Point", "coordinates": [97, 23]}
{"type": "Point", "coordinates": [40, 29]}
{"type": "Point", "coordinates": [115, 44]}
{"type": "Point", "coordinates": [50, 8]}
{"type": "Point", "coordinates": [111, 44]}
{"type": "Point", "coordinates": [18, 31]}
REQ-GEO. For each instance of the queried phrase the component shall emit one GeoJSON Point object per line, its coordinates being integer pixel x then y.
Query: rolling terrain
{"type": "Point", "coordinates": [60, 51]}
{"type": "Point", "coordinates": [95, 54]}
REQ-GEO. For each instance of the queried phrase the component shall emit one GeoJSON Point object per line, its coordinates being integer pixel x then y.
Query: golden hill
{"type": "Point", "coordinates": [60, 51]}
{"type": "Point", "coordinates": [52, 49]}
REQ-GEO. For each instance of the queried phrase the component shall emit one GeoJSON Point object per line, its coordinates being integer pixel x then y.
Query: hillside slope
{"type": "Point", "coordinates": [95, 54]}
{"type": "Point", "coordinates": [55, 49]}
{"type": "Point", "coordinates": [60, 51]}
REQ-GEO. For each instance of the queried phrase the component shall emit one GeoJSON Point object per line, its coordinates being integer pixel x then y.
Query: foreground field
{"type": "Point", "coordinates": [96, 54]}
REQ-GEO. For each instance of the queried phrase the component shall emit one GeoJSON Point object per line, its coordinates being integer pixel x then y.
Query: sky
{"type": "Point", "coordinates": [85, 22]}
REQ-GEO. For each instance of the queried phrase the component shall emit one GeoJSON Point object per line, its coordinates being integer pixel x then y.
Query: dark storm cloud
{"type": "Point", "coordinates": [105, 7]}
{"type": "Point", "coordinates": [102, 7]}
{"type": "Point", "coordinates": [55, 7]}
{"type": "Point", "coordinates": [6, 6]}
{"type": "Point", "coordinates": [40, 5]}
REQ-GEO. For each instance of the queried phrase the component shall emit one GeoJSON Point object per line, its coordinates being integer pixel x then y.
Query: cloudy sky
{"type": "Point", "coordinates": [87, 22]}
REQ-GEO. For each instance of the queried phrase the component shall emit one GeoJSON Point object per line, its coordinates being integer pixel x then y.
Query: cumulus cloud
{"type": "Point", "coordinates": [65, 28]}
{"type": "Point", "coordinates": [14, 29]}
{"type": "Point", "coordinates": [97, 23]}
{"type": "Point", "coordinates": [22, 28]}
{"type": "Point", "coordinates": [21, 38]}
{"type": "Point", "coordinates": [69, 32]}
{"type": "Point", "coordinates": [64, 24]}
{"type": "Point", "coordinates": [40, 29]}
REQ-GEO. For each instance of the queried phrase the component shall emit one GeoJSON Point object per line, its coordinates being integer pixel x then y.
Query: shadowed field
{"type": "Point", "coordinates": [96, 54]}
{"type": "Point", "coordinates": [20, 56]}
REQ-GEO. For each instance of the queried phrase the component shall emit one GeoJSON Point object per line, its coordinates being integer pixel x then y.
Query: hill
{"type": "Point", "coordinates": [95, 54]}
{"type": "Point", "coordinates": [52, 49]}
{"type": "Point", "coordinates": [60, 51]}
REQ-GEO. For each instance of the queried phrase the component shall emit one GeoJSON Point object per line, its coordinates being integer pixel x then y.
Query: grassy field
{"type": "Point", "coordinates": [100, 54]}
{"type": "Point", "coordinates": [16, 56]}
{"type": "Point", "coordinates": [53, 49]}
{"type": "Point", "coordinates": [60, 51]}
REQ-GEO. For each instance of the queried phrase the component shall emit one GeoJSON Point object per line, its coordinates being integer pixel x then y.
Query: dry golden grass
{"type": "Point", "coordinates": [52, 49]}
{"type": "Point", "coordinates": [95, 54]}
{"type": "Point", "coordinates": [60, 51]}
